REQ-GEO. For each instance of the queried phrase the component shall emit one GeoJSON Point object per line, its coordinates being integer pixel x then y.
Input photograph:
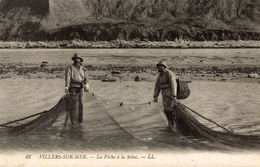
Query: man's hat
{"type": "Point", "coordinates": [76, 56]}
{"type": "Point", "coordinates": [163, 63]}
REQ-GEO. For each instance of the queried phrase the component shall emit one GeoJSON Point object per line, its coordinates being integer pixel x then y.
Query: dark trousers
{"type": "Point", "coordinates": [170, 115]}
{"type": "Point", "coordinates": [169, 109]}
{"type": "Point", "coordinates": [76, 105]}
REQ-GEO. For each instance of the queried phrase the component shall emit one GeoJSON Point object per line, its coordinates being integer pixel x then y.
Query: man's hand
{"type": "Point", "coordinates": [175, 100]}
{"type": "Point", "coordinates": [155, 99]}
{"type": "Point", "coordinates": [66, 90]}
{"type": "Point", "coordinates": [86, 87]}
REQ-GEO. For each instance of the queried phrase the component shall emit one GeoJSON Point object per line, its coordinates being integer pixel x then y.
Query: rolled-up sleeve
{"type": "Point", "coordinates": [86, 78]}
{"type": "Point", "coordinates": [67, 76]}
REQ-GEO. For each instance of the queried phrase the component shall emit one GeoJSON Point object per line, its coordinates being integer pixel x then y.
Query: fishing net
{"type": "Point", "coordinates": [141, 121]}
{"type": "Point", "coordinates": [189, 126]}
{"type": "Point", "coordinates": [42, 121]}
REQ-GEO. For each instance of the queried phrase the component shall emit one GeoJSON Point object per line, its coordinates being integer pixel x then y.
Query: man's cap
{"type": "Point", "coordinates": [163, 63]}
{"type": "Point", "coordinates": [76, 56]}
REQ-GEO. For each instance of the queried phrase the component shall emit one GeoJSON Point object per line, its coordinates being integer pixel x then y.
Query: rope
{"type": "Point", "coordinates": [121, 103]}
{"type": "Point", "coordinates": [203, 117]}
{"type": "Point", "coordinates": [227, 130]}
{"type": "Point", "coordinates": [206, 118]}
{"type": "Point", "coordinates": [30, 116]}
{"type": "Point", "coordinates": [111, 117]}
{"type": "Point", "coordinates": [15, 121]}
{"type": "Point", "coordinates": [5, 125]}
{"type": "Point", "coordinates": [123, 129]}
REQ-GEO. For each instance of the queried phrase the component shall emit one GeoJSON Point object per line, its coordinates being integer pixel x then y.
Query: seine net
{"type": "Point", "coordinates": [141, 121]}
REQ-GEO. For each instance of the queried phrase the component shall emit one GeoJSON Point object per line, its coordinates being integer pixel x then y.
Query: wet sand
{"type": "Point", "coordinates": [189, 64]}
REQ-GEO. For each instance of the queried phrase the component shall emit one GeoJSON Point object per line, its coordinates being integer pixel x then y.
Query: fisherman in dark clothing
{"type": "Point", "coordinates": [166, 83]}
{"type": "Point", "coordinates": [76, 81]}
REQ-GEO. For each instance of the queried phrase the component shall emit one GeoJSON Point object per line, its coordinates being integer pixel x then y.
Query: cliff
{"type": "Point", "coordinates": [154, 20]}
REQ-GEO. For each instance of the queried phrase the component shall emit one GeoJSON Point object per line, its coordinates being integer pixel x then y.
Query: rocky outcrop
{"type": "Point", "coordinates": [129, 20]}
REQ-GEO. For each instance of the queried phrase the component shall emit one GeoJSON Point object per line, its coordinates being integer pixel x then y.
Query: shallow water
{"type": "Point", "coordinates": [136, 56]}
{"type": "Point", "coordinates": [231, 104]}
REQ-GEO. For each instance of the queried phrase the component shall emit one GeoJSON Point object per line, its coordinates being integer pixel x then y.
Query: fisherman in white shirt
{"type": "Point", "coordinates": [76, 81]}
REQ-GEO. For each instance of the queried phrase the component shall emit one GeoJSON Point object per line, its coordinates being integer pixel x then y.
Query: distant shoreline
{"type": "Point", "coordinates": [79, 44]}
{"type": "Point", "coordinates": [238, 73]}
